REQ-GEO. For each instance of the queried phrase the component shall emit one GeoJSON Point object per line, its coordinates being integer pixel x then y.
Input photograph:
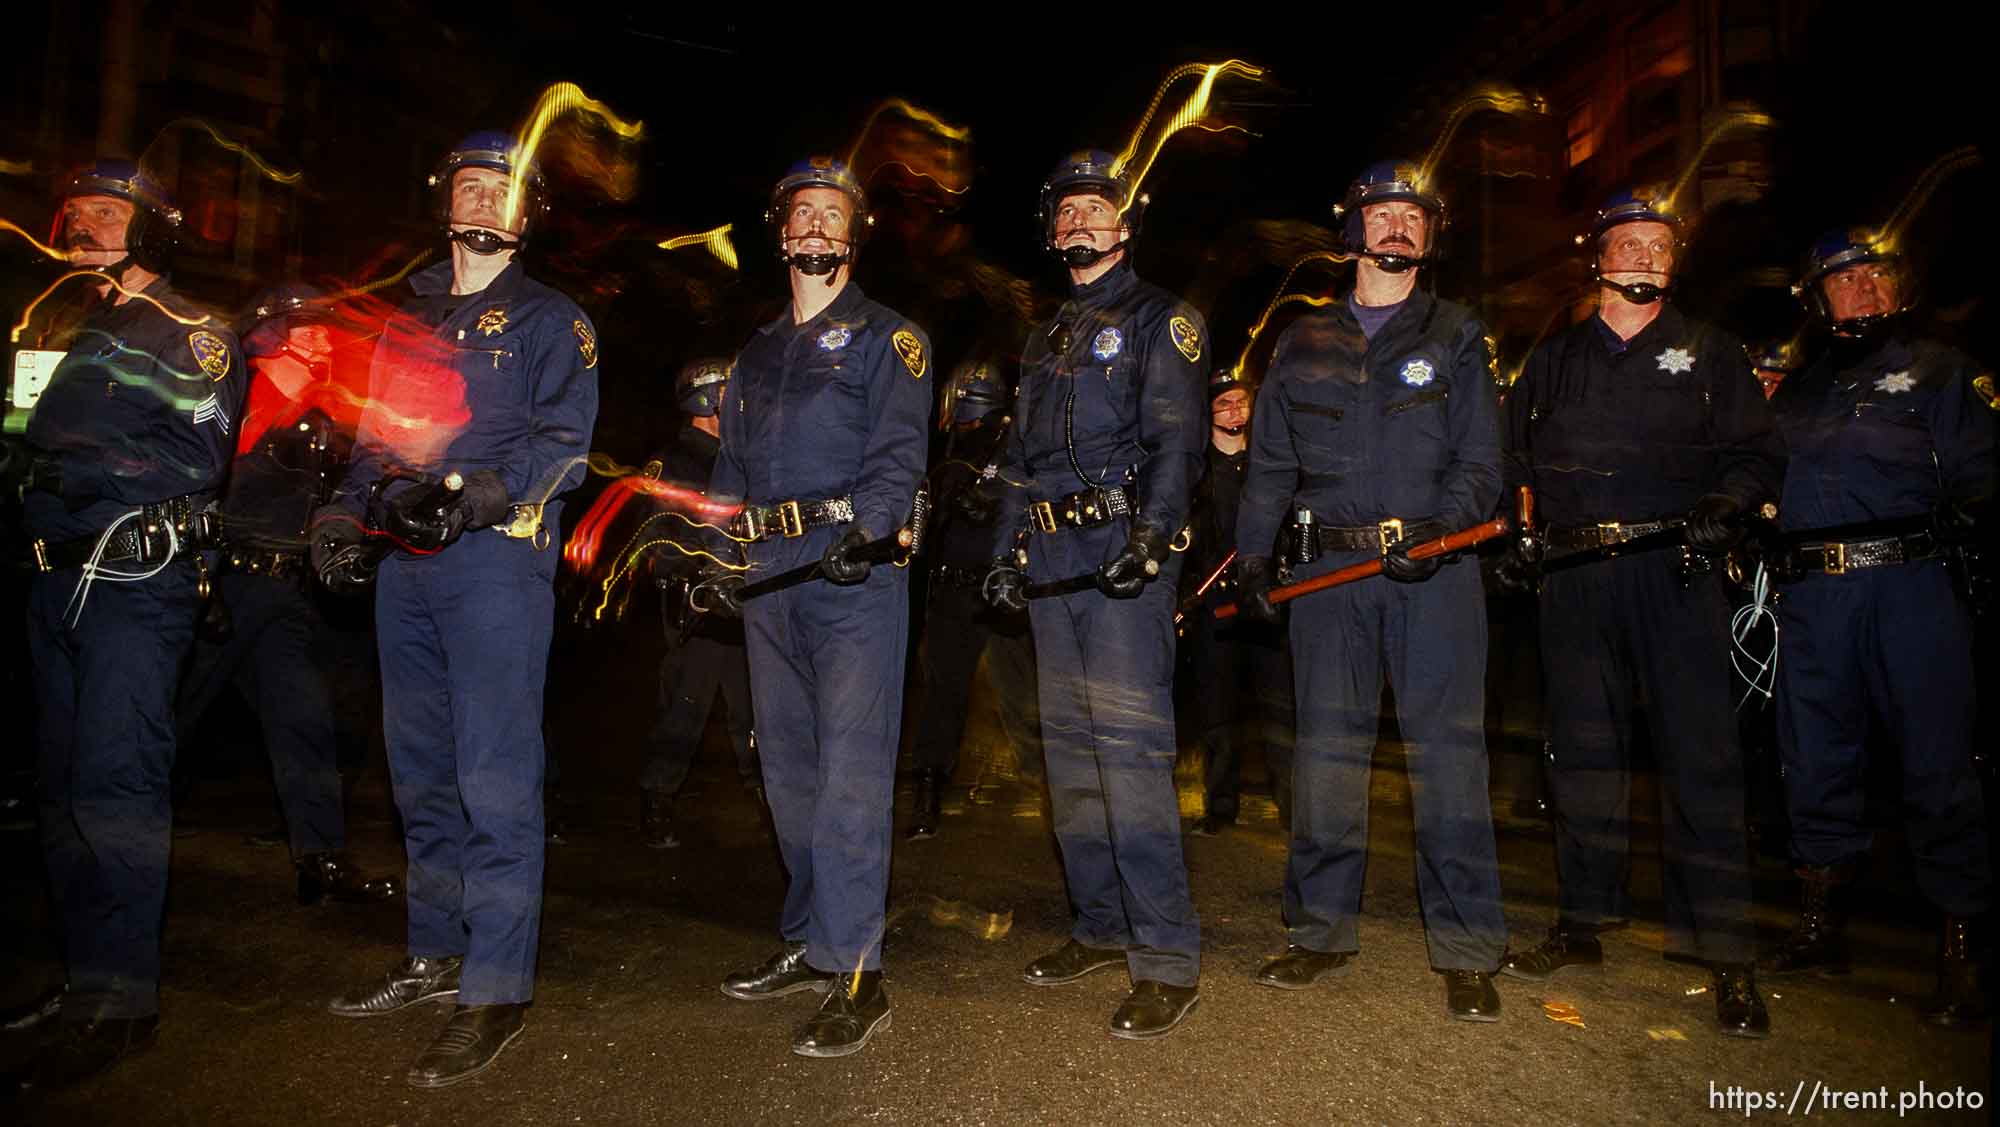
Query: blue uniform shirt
{"type": "Point", "coordinates": [1361, 429]}
{"type": "Point", "coordinates": [838, 406]}
{"type": "Point", "coordinates": [1882, 433]}
{"type": "Point", "coordinates": [139, 410]}
{"type": "Point", "coordinates": [502, 379]}
{"type": "Point", "coordinates": [1119, 374]}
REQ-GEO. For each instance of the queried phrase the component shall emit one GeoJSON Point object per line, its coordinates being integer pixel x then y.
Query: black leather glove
{"type": "Point", "coordinates": [485, 499]}
{"type": "Point", "coordinates": [1255, 577]}
{"type": "Point", "coordinates": [1398, 566]}
{"type": "Point", "coordinates": [1005, 587]}
{"type": "Point", "coordinates": [333, 528]}
{"type": "Point", "coordinates": [1128, 572]}
{"type": "Point", "coordinates": [839, 565]}
{"type": "Point", "coordinates": [1518, 567]}
{"type": "Point", "coordinates": [1713, 525]}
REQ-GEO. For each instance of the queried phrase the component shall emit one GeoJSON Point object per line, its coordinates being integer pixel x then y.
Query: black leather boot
{"type": "Point", "coordinates": [332, 876]}
{"type": "Point", "coordinates": [1070, 962]}
{"type": "Point", "coordinates": [414, 980]}
{"type": "Point", "coordinates": [930, 801]}
{"type": "Point", "coordinates": [855, 1009]}
{"type": "Point", "coordinates": [1300, 967]}
{"type": "Point", "coordinates": [786, 972]}
{"type": "Point", "coordinates": [1960, 1001]}
{"type": "Point", "coordinates": [1153, 1009]}
{"type": "Point", "coordinates": [469, 1045]}
{"type": "Point", "coordinates": [1568, 945]}
{"type": "Point", "coordinates": [1470, 996]}
{"type": "Point", "coordinates": [656, 820]}
{"type": "Point", "coordinates": [1818, 942]}
{"type": "Point", "coordinates": [1739, 1009]}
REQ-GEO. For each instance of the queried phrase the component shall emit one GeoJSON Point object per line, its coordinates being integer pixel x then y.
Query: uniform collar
{"type": "Point", "coordinates": [436, 279]}
{"type": "Point", "coordinates": [1669, 326]}
{"type": "Point", "coordinates": [1116, 283]}
{"type": "Point", "coordinates": [1417, 305]}
{"type": "Point", "coordinates": [842, 308]}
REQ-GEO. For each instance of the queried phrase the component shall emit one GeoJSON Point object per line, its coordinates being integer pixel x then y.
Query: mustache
{"type": "Point", "coordinates": [1402, 240]}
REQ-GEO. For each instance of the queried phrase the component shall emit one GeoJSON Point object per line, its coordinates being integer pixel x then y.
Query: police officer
{"type": "Point", "coordinates": [1771, 361]}
{"type": "Point", "coordinates": [131, 440]}
{"type": "Point", "coordinates": [1646, 443]}
{"type": "Point", "coordinates": [1891, 461]}
{"type": "Point", "coordinates": [1378, 418]}
{"type": "Point", "coordinates": [823, 444]}
{"type": "Point", "coordinates": [1107, 439]}
{"type": "Point", "coordinates": [959, 628]}
{"type": "Point", "coordinates": [487, 378]}
{"type": "Point", "coordinates": [289, 451]}
{"type": "Point", "coordinates": [705, 652]}
{"type": "Point", "coordinates": [1241, 670]}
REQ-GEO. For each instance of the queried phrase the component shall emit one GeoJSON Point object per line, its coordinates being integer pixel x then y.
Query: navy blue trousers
{"type": "Point", "coordinates": [1106, 670]}
{"type": "Point", "coordinates": [1615, 633]}
{"type": "Point", "coordinates": [826, 684]}
{"type": "Point", "coordinates": [106, 687]}
{"type": "Point", "coordinates": [464, 638]}
{"type": "Point", "coordinates": [1894, 642]}
{"type": "Point", "coordinates": [1430, 640]}
{"type": "Point", "coordinates": [269, 655]}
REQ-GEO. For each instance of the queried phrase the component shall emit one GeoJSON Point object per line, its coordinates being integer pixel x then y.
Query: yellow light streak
{"type": "Point", "coordinates": [262, 166]}
{"type": "Point", "coordinates": [1496, 97]}
{"type": "Point", "coordinates": [918, 114]}
{"type": "Point", "coordinates": [559, 99]}
{"type": "Point", "coordinates": [714, 241]}
{"type": "Point", "coordinates": [101, 279]}
{"type": "Point", "coordinates": [1192, 112]}
{"type": "Point", "coordinates": [10, 225]}
{"type": "Point", "coordinates": [1279, 298]}
{"type": "Point", "coordinates": [1732, 121]}
{"type": "Point", "coordinates": [1919, 194]}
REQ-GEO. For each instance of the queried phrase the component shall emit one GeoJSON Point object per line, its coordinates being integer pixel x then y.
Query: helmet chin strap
{"type": "Point", "coordinates": [1231, 431]}
{"type": "Point", "coordinates": [1638, 293]}
{"type": "Point", "coordinates": [1390, 262]}
{"type": "Point", "coordinates": [481, 241]}
{"type": "Point", "coordinates": [823, 263]}
{"type": "Point", "coordinates": [1083, 256]}
{"type": "Point", "coordinates": [1865, 326]}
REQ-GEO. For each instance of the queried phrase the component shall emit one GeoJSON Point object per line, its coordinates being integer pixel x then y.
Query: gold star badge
{"type": "Point", "coordinates": [492, 321]}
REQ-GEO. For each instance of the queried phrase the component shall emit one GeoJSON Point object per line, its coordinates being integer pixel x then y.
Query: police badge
{"type": "Point", "coordinates": [911, 350]}
{"type": "Point", "coordinates": [1418, 372]}
{"type": "Point", "coordinates": [1186, 337]}
{"type": "Point", "coordinates": [1108, 344]}
{"type": "Point", "coordinates": [835, 339]}
{"type": "Point", "coordinates": [210, 353]}
{"type": "Point", "coordinates": [586, 342]}
{"type": "Point", "coordinates": [492, 321]}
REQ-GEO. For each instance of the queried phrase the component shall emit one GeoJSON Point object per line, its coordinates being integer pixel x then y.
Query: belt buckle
{"type": "Point", "coordinates": [1834, 557]}
{"type": "Point", "coordinates": [40, 548]}
{"type": "Point", "coordinates": [1390, 534]}
{"type": "Point", "coordinates": [1610, 532]}
{"type": "Point", "coordinates": [791, 525]}
{"type": "Point", "coordinates": [1043, 515]}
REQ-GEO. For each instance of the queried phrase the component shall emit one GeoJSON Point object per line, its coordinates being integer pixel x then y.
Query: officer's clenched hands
{"type": "Point", "coordinates": [1398, 566]}
{"type": "Point", "coordinates": [839, 564]}
{"type": "Point", "coordinates": [1516, 569]}
{"type": "Point", "coordinates": [1135, 565]}
{"type": "Point", "coordinates": [484, 499]}
{"type": "Point", "coordinates": [1005, 587]}
{"type": "Point", "coordinates": [1714, 524]}
{"type": "Point", "coordinates": [333, 528]}
{"type": "Point", "coordinates": [1254, 578]}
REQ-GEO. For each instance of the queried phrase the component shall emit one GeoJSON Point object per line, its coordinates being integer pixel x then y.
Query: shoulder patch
{"type": "Point", "coordinates": [1982, 384]}
{"type": "Point", "coordinates": [1186, 337]}
{"type": "Point", "coordinates": [586, 342]}
{"type": "Point", "coordinates": [911, 350]}
{"type": "Point", "coordinates": [209, 352]}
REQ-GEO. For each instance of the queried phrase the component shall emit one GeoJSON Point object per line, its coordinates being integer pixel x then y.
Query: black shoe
{"type": "Point", "coordinates": [1470, 996]}
{"type": "Point", "coordinates": [332, 876]}
{"type": "Point", "coordinates": [656, 820]}
{"type": "Point", "coordinates": [1568, 945]}
{"type": "Point", "coordinates": [1960, 1001]}
{"type": "Point", "coordinates": [469, 1045]}
{"type": "Point", "coordinates": [1818, 942]}
{"type": "Point", "coordinates": [36, 1013]}
{"type": "Point", "coordinates": [1153, 1009]}
{"type": "Point", "coordinates": [415, 979]}
{"type": "Point", "coordinates": [81, 1050]}
{"type": "Point", "coordinates": [1209, 825]}
{"type": "Point", "coordinates": [786, 972]}
{"type": "Point", "coordinates": [930, 803]}
{"type": "Point", "coordinates": [855, 1008]}
{"type": "Point", "coordinates": [1300, 967]}
{"type": "Point", "coordinates": [1739, 1009]}
{"type": "Point", "coordinates": [1070, 962]}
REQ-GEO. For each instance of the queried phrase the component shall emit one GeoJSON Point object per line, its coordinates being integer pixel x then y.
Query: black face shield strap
{"type": "Point", "coordinates": [479, 240]}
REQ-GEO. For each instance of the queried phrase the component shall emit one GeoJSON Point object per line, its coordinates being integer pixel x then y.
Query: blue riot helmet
{"type": "Point", "coordinates": [266, 327]}
{"type": "Point", "coordinates": [1834, 252]}
{"type": "Point", "coordinates": [1641, 204]}
{"type": "Point", "coordinates": [1384, 182]}
{"type": "Point", "coordinates": [1095, 172]}
{"type": "Point", "coordinates": [698, 389]}
{"type": "Point", "coordinates": [1224, 381]}
{"type": "Point", "coordinates": [492, 149]}
{"type": "Point", "coordinates": [819, 172]}
{"type": "Point", "coordinates": [1771, 361]}
{"type": "Point", "coordinates": [155, 228]}
{"type": "Point", "coordinates": [974, 392]}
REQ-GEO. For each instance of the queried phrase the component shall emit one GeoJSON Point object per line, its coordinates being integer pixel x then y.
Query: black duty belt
{"type": "Point", "coordinates": [273, 563]}
{"type": "Point", "coordinates": [1607, 534]}
{"type": "Point", "coordinates": [1837, 557]}
{"type": "Point", "coordinates": [790, 519]}
{"type": "Point", "coordinates": [1086, 508]}
{"type": "Point", "coordinates": [143, 539]}
{"type": "Point", "coordinates": [1380, 537]}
